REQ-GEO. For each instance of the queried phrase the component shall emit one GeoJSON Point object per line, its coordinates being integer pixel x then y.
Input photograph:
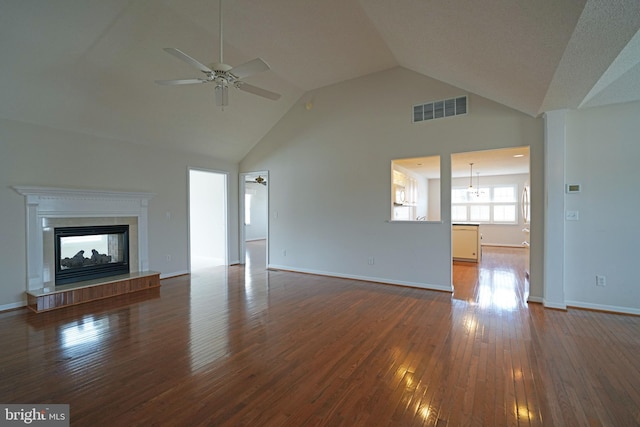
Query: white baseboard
{"type": "Point", "coordinates": [13, 305]}
{"type": "Point", "coordinates": [586, 305]}
{"type": "Point", "coordinates": [362, 278]}
{"type": "Point", "coordinates": [557, 306]}
{"type": "Point", "coordinates": [173, 274]}
{"type": "Point", "coordinates": [501, 245]}
{"type": "Point", "coordinates": [603, 307]}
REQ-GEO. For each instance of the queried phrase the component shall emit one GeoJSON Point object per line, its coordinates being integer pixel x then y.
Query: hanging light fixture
{"type": "Point", "coordinates": [478, 192]}
{"type": "Point", "coordinates": [471, 190]}
{"type": "Point", "coordinates": [478, 184]}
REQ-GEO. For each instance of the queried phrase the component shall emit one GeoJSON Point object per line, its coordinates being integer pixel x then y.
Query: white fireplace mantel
{"type": "Point", "coordinates": [46, 202]}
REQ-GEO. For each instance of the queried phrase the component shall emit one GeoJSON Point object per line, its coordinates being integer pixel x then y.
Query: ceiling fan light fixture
{"type": "Point", "coordinates": [222, 95]}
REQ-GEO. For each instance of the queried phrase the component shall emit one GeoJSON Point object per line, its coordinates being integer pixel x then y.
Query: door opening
{"type": "Point", "coordinates": [254, 212]}
{"type": "Point", "coordinates": [490, 224]}
{"type": "Point", "coordinates": [207, 219]}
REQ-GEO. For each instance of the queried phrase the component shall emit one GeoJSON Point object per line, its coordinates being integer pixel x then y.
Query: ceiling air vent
{"type": "Point", "coordinates": [438, 109]}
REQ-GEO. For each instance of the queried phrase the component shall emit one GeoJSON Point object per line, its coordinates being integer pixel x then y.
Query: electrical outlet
{"type": "Point", "coordinates": [284, 252]}
{"type": "Point", "coordinates": [371, 260]}
{"type": "Point", "coordinates": [601, 280]}
{"type": "Point", "coordinates": [168, 258]}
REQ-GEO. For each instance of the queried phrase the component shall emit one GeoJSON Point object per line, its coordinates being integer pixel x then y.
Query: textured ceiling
{"type": "Point", "coordinates": [88, 65]}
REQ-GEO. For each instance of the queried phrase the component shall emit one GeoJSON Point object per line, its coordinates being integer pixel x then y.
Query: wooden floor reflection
{"type": "Point", "coordinates": [240, 345]}
{"type": "Point", "coordinates": [497, 281]}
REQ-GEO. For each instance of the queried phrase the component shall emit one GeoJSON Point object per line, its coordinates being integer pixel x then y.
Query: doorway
{"type": "Point", "coordinates": [254, 212]}
{"type": "Point", "coordinates": [490, 225]}
{"type": "Point", "coordinates": [207, 219]}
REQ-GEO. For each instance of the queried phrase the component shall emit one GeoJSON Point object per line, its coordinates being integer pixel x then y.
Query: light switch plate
{"type": "Point", "coordinates": [572, 215]}
{"type": "Point", "coordinates": [572, 188]}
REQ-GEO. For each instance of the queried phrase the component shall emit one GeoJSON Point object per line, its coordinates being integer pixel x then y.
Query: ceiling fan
{"type": "Point", "coordinates": [258, 180]}
{"type": "Point", "coordinates": [221, 74]}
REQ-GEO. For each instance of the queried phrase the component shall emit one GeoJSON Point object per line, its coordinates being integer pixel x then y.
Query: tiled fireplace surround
{"type": "Point", "coordinates": [47, 208]}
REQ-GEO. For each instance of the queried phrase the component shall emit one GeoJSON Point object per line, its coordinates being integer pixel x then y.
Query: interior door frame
{"type": "Point", "coordinates": [242, 234]}
{"type": "Point", "coordinates": [529, 224]}
{"type": "Point", "coordinates": [225, 175]}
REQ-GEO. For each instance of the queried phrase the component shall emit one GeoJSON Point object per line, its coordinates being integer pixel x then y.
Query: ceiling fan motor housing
{"type": "Point", "coordinates": [216, 66]}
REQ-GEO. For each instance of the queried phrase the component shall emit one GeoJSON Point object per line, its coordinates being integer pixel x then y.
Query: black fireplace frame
{"type": "Point", "coordinates": [65, 276]}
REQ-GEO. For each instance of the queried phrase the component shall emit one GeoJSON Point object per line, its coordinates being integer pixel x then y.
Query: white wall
{"type": "Point", "coordinates": [603, 155]}
{"type": "Point", "coordinates": [329, 190]}
{"type": "Point", "coordinates": [434, 199]}
{"type": "Point", "coordinates": [258, 228]}
{"type": "Point", "coordinates": [33, 155]}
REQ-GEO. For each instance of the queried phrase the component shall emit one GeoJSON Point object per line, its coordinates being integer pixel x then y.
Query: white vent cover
{"type": "Point", "coordinates": [439, 109]}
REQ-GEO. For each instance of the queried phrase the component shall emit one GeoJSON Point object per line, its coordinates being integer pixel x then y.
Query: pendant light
{"type": "Point", "coordinates": [478, 192]}
{"type": "Point", "coordinates": [471, 189]}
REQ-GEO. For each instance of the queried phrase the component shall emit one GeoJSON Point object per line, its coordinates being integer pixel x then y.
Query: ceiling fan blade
{"type": "Point", "coordinates": [189, 60]}
{"type": "Point", "coordinates": [181, 82]}
{"type": "Point", "coordinates": [258, 91]}
{"type": "Point", "coordinates": [249, 68]}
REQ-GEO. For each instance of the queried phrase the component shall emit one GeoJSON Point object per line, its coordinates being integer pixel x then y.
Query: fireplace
{"type": "Point", "coordinates": [48, 208]}
{"type": "Point", "coordinates": [90, 252]}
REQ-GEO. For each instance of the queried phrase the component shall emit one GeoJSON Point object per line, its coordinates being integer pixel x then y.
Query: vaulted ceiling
{"type": "Point", "coordinates": [89, 66]}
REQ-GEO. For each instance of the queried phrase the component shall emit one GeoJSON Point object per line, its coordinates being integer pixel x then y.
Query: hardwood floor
{"type": "Point", "coordinates": [497, 282]}
{"type": "Point", "coordinates": [240, 345]}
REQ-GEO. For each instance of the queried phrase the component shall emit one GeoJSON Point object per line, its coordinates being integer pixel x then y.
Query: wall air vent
{"type": "Point", "coordinates": [438, 109]}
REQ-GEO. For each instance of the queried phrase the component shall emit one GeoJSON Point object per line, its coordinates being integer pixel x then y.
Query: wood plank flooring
{"type": "Point", "coordinates": [233, 346]}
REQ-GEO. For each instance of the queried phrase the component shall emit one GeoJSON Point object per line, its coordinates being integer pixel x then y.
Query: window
{"type": "Point", "coordinates": [495, 205]}
{"type": "Point", "coordinates": [504, 194]}
{"type": "Point", "coordinates": [459, 213]}
{"type": "Point", "coordinates": [480, 213]}
{"type": "Point", "coordinates": [504, 213]}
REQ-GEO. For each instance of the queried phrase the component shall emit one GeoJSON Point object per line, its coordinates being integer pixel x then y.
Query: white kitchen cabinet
{"type": "Point", "coordinates": [466, 242]}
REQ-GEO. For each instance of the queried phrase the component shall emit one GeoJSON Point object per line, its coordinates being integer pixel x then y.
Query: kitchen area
{"type": "Point", "coordinates": [490, 194]}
